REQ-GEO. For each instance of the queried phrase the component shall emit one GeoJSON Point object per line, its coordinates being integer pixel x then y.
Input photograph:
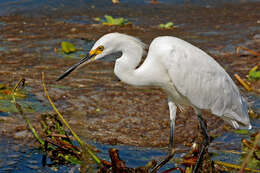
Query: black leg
{"type": "Point", "coordinates": [206, 141]}
{"type": "Point", "coordinates": [171, 150]}
{"type": "Point", "coordinates": [171, 135]}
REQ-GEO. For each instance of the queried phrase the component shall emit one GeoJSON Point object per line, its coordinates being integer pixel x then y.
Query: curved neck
{"type": "Point", "coordinates": [125, 66]}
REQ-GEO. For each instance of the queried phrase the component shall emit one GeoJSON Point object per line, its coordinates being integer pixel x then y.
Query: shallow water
{"type": "Point", "coordinates": [217, 36]}
{"type": "Point", "coordinates": [17, 157]}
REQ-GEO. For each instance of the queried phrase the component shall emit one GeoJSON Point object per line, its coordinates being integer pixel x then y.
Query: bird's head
{"type": "Point", "coordinates": [109, 44]}
{"type": "Point", "coordinates": [103, 47]}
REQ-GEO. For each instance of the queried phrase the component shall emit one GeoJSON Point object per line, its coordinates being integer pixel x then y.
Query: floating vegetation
{"type": "Point", "coordinates": [10, 94]}
{"type": "Point", "coordinates": [252, 149]}
{"type": "Point", "coordinates": [110, 21]}
{"type": "Point", "coordinates": [167, 25]}
{"type": "Point", "coordinates": [53, 139]}
{"type": "Point", "coordinates": [71, 49]}
{"type": "Point", "coordinates": [254, 74]}
{"type": "Point", "coordinates": [253, 77]}
{"type": "Point", "coordinates": [241, 131]}
{"type": "Point", "coordinates": [84, 147]}
{"type": "Point", "coordinates": [68, 47]}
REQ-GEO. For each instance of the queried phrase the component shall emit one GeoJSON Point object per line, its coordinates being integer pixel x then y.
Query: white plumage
{"type": "Point", "coordinates": [189, 75]}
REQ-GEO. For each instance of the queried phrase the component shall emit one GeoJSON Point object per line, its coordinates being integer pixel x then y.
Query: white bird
{"type": "Point", "coordinates": [189, 75]}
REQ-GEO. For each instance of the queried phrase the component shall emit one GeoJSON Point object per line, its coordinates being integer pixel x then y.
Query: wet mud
{"type": "Point", "coordinates": [96, 104]}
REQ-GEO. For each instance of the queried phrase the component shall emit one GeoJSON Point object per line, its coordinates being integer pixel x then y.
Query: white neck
{"type": "Point", "coordinates": [125, 67]}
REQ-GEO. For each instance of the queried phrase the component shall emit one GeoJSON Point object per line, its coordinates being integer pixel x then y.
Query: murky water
{"type": "Point", "coordinates": [17, 157]}
{"type": "Point", "coordinates": [25, 39]}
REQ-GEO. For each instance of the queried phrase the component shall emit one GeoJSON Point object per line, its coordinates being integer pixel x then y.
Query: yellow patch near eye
{"type": "Point", "coordinates": [92, 52]}
{"type": "Point", "coordinates": [97, 51]}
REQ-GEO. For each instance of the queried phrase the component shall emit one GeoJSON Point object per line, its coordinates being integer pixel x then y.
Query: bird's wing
{"type": "Point", "coordinates": [200, 79]}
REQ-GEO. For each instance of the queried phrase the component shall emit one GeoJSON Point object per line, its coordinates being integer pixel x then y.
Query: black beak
{"type": "Point", "coordinates": [67, 72]}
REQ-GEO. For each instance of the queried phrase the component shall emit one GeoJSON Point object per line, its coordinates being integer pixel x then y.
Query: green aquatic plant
{"type": "Point", "coordinates": [166, 25]}
{"type": "Point", "coordinates": [68, 47]}
{"type": "Point", "coordinates": [7, 93]}
{"type": "Point", "coordinates": [254, 74]}
{"type": "Point", "coordinates": [86, 151]}
{"type": "Point", "coordinates": [251, 150]}
{"type": "Point", "coordinates": [54, 138]}
{"type": "Point", "coordinates": [109, 20]}
{"type": "Point", "coordinates": [241, 131]}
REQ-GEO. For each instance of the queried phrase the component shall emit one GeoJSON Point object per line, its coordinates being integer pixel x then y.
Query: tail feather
{"type": "Point", "coordinates": [238, 125]}
{"type": "Point", "coordinates": [245, 123]}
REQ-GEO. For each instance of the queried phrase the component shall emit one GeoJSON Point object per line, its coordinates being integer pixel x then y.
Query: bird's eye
{"type": "Point", "coordinates": [100, 48]}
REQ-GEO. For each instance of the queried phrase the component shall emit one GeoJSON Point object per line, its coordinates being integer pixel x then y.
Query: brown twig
{"type": "Point", "coordinates": [173, 169]}
{"type": "Point", "coordinates": [243, 167]}
{"type": "Point", "coordinates": [248, 50]}
{"type": "Point", "coordinates": [242, 82]}
{"type": "Point", "coordinates": [64, 148]}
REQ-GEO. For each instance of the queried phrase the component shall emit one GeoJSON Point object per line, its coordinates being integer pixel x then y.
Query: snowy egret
{"type": "Point", "coordinates": [189, 76]}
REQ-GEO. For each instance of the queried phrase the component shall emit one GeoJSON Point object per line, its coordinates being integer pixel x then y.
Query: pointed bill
{"type": "Point", "coordinates": [86, 60]}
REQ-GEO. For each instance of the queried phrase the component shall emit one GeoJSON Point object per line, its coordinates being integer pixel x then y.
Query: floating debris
{"type": "Point", "coordinates": [111, 21]}
{"type": "Point", "coordinates": [68, 47]}
{"type": "Point", "coordinates": [168, 25]}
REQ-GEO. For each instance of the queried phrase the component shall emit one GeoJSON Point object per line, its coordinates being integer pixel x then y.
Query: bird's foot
{"type": "Point", "coordinates": [163, 162]}
{"type": "Point", "coordinates": [200, 157]}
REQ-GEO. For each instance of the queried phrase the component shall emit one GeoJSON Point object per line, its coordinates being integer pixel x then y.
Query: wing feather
{"type": "Point", "coordinates": [200, 79]}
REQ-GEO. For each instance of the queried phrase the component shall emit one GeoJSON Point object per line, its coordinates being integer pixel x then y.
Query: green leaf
{"type": "Point", "coordinates": [67, 47]}
{"type": "Point", "coordinates": [167, 25]}
{"type": "Point", "coordinates": [162, 25]}
{"type": "Point", "coordinates": [254, 74]}
{"type": "Point", "coordinates": [115, 21]}
{"type": "Point", "coordinates": [241, 131]}
{"type": "Point", "coordinates": [109, 19]}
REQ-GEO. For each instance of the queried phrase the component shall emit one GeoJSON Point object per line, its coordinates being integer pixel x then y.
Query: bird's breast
{"type": "Point", "coordinates": [175, 94]}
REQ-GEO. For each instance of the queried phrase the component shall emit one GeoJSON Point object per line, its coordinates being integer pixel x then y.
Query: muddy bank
{"type": "Point", "coordinates": [96, 104]}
